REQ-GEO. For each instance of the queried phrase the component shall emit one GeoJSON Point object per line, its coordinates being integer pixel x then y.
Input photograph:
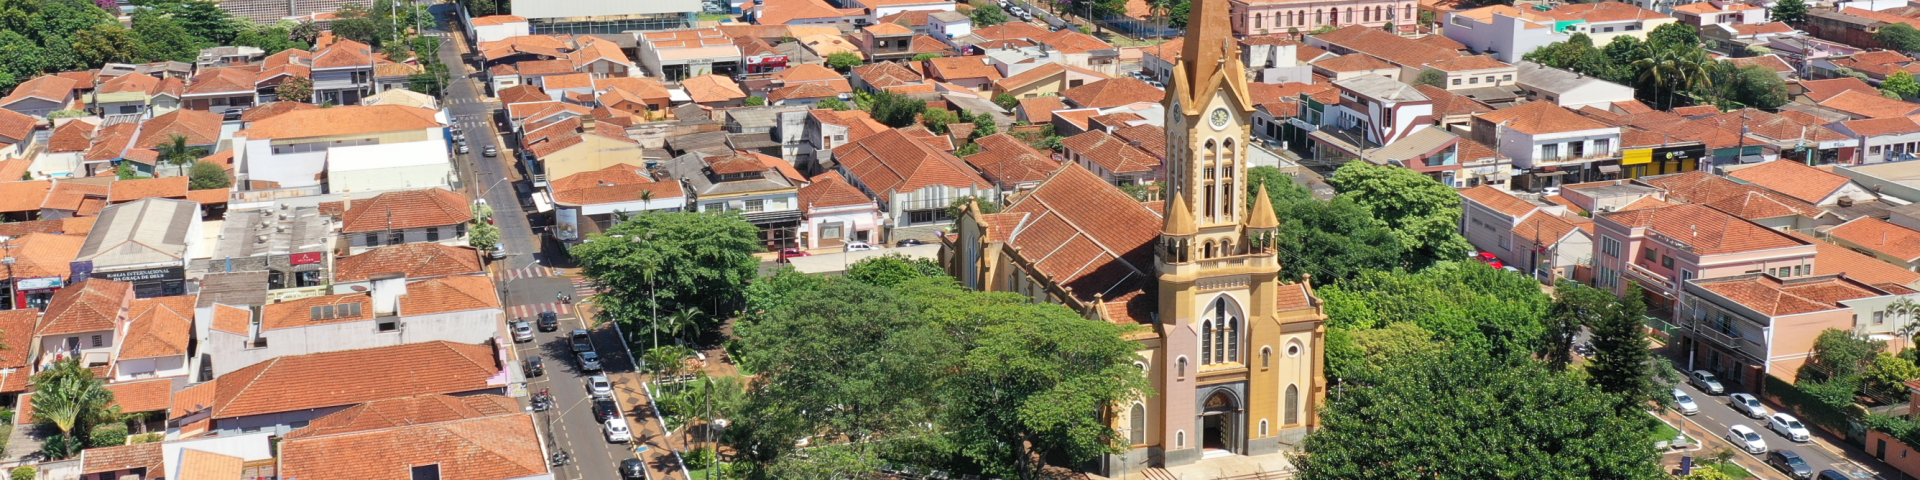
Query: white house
{"type": "Point", "coordinates": [1568, 89]}
{"type": "Point", "coordinates": [394, 311]}
{"type": "Point", "coordinates": [913, 182]}
{"type": "Point", "coordinates": [1549, 145]}
{"type": "Point", "coordinates": [434, 215]}
{"type": "Point", "coordinates": [40, 96]}
{"type": "Point", "coordinates": [293, 148]}
{"type": "Point", "coordinates": [1882, 139]}
{"type": "Point", "coordinates": [1502, 31]}
{"type": "Point", "coordinates": [396, 166]}
{"type": "Point", "coordinates": [493, 28]}
{"type": "Point", "coordinates": [835, 212]}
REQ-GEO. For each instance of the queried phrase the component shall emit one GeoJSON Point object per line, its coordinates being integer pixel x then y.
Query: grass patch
{"type": "Point", "coordinates": [1733, 471]}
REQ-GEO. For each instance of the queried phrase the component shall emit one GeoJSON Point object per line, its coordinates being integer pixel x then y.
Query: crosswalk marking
{"type": "Point", "coordinates": [584, 290]}
{"type": "Point", "coordinates": [535, 271]}
{"type": "Point", "coordinates": [530, 310]}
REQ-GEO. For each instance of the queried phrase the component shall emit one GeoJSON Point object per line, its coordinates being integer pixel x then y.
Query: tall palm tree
{"type": "Point", "coordinates": [1674, 69]}
{"type": "Point", "coordinates": [678, 322]}
{"type": "Point", "coordinates": [70, 398]}
{"type": "Point", "coordinates": [646, 199]}
{"type": "Point", "coordinates": [176, 152]}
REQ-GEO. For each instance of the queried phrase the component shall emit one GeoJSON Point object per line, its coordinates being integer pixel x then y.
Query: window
{"type": "Point", "coordinates": [97, 342]}
{"type": "Point", "coordinates": [1489, 79]}
{"type": "Point", "coordinates": [1610, 247]}
{"type": "Point", "coordinates": [1474, 80]}
{"type": "Point", "coordinates": [1666, 261]}
{"type": "Point", "coordinates": [1180, 439]}
{"type": "Point", "coordinates": [1138, 421]}
{"type": "Point", "coordinates": [1873, 150]}
{"type": "Point", "coordinates": [1293, 350]}
{"type": "Point", "coordinates": [1506, 77]}
{"type": "Point", "coordinates": [460, 229]}
{"type": "Point", "coordinates": [832, 230]}
{"type": "Point", "coordinates": [1800, 270]}
{"type": "Point", "coordinates": [1633, 27]}
{"type": "Point", "coordinates": [714, 207]}
{"type": "Point", "coordinates": [1878, 318]}
{"type": "Point", "coordinates": [1506, 243]}
{"type": "Point", "coordinates": [1263, 427]}
{"type": "Point", "coordinates": [373, 239]}
{"type": "Point", "coordinates": [397, 237]}
{"type": "Point", "coordinates": [756, 205]}
{"type": "Point", "coordinates": [1550, 152]}
{"type": "Point", "coordinates": [1649, 254]}
{"type": "Point", "coordinates": [1180, 367]}
{"type": "Point", "coordinates": [1293, 405]}
{"type": "Point", "coordinates": [387, 325]}
{"type": "Point", "coordinates": [433, 234]}
{"type": "Point", "coordinates": [1456, 81]}
{"type": "Point", "coordinates": [1602, 146]}
{"type": "Point", "coordinates": [1266, 356]}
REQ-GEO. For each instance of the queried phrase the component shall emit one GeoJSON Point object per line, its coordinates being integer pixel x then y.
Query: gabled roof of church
{"type": "Point", "coordinates": [1083, 233]}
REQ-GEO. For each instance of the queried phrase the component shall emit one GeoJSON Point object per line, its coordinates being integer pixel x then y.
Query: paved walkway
{"type": "Point", "coordinates": [648, 429]}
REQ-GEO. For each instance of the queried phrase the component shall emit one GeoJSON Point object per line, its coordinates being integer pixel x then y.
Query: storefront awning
{"type": "Point", "coordinates": [541, 203]}
{"type": "Point", "coordinates": [1609, 169]}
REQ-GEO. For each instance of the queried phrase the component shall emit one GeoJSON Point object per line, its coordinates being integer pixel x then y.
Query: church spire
{"type": "Point", "coordinates": [1208, 44]}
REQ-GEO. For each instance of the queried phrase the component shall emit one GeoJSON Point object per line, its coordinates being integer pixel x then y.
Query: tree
{"type": "Point", "coordinates": [70, 398]}
{"type": "Point", "coordinates": [983, 124]}
{"type": "Point", "coordinates": [1622, 362]}
{"type": "Point", "coordinates": [843, 61]}
{"type": "Point", "coordinates": [985, 206]}
{"type": "Point", "coordinates": [893, 109]}
{"type": "Point", "coordinates": [20, 58]}
{"type": "Point", "coordinates": [1840, 355]}
{"type": "Point", "coordinates": [926, 56]}
{"type": "Point", "coordinates": [661, 262]}
{"type": "Point", "coordinates": [1434, 78]}
{"type": "Point", "coordinates": [1467, 415]}
{"type": "Point", "coordinates": [1465, 304]}
{"type": "Point", "coordinates": [271, 39]}
{"type": "Point", "coordinates": [176, 151]}
{"type": "Point", "coordinates": [305, 32]}
{"type": "Point", "coordinates": [205, 21]}
{"type": "Point", "coordinates": [988, 15]}
{"type": "Point", "coordinates": [1673, 69]}
{"type": "Point", "coordinates": [1758, 87]}
{"type": "Point", "coordinates": [1899, 36]}
{"type": "Point", "coordinates": [359, 29]}
{"type": "Point", "coordinates": [1424, 214]}
{"type": "Point", "coordinates": [125, 171]}
{"type": "Point", "coordinates": [1900, 86]}
{"type": "Point", "coordinates": [1362, 355]}
{"type": "Point", "coordinates": [1177, 16]}
{"type": "Point", "coordinates": [295, 89]}
{"type": "Point", "coordinates": [1792, 12]}
{"type": "Point", "coordinates": [107, 43]}
{"type": "Point", "coordinates": [161, 38]}
{"type": "Point", "coordinates": [483, 236]}
{"type": "Point", "coordinates": [756, 101]}
{"type": "Point", "coordinates": [1006, 101]}
{"type": "Point", "coordinates": [207, 176]}
{"type": "Point", "coordinates": [1574, 304]}
{"type": "Point", "coordinates": [1331, 240]}
{"type": "Point", "coordinates": [430, 80]}
{"type": "Point", "coordinates": [937, 119]}
{"type": "Point", "coordinates": [892, 270]}
{"type": "Point", "coordinates": [1886, 379]}
{"type": "Point", "coordinates": [833, 104]}
{"type": "Point", "coordinates": [1673, 35]}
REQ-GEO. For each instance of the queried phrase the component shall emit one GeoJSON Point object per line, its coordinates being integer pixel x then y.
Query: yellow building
{"type": "Point", "coordinates": [1233, 353]}
{"type": "Point", "coordinates": [1046, 79]}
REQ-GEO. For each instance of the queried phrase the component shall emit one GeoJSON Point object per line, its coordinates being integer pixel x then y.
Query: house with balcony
{"type": "Point", "coordinates": [599, 199]}
{"type": "Point", "coordinates": [1720, 12]}
{"type": "Point", "coordinates": [1550, 145]}
{"type": "Point", "coordinates": [1373, 111]}
{"type": "Point", "coordinates": [835, 213]}
{"type": "Point", "coordinates": [1747, 326]}
{"type": "Point", "coordinates": [136, 96]}
{"type": "Point", "coordinates": [82, 321]}
{"type": "Point", "coordinates": [763, 188]}
{"type": "Point", "coordinates": [222, 90]}
{"type": "Point", "coordinates": [343, 73]}
{"type": "Point", "coordinates": [1662, 248]}
{"type": "Point", "coordinates": [913, 182]}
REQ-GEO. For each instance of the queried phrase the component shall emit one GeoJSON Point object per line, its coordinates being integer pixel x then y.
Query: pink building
{"type": "Point", "coordinates": [1662, 248]}
{"type": "Point", "coordinates": [1263, 17]}
{"type": "Point", "coordinates": [1746, 326]}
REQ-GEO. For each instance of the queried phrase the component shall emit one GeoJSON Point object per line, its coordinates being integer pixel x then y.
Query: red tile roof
{"type": "Point", "coordinates": [405, 411]}
{"type": "Point", "coordinates": [16, 328]}
{"type": "Point", "coordinates": [123, 457]}
{"type": "Point", "coordinates": [1709, 231]}
{"type": "Point", "coordinates": [1499, 200]}
{"type": "Point", "coordinates": [1355, 62]}
{"type": "Point", "coordinates": [830, 190]}
{"type": "Point", "coordinates": [16, 127]}
{"type": "Point", "coordinates": [1111, 153]}
{"type": "Point", "coordinates": [1540, 118]}
{"type": "Point", "coordinates": [142, 396]}
{"type": "Point", "coordinates": [1797, 180]}
{"type": "Point", "coordinates": [1447, 103]}
{"type": "Point", "coordinates": [1821, 90]}
{"type": "Point", "coordinates": [348, 377]}
{"type": "Point", "coordinates": [1869, 105]}
{"type": "Point", "coordinates": [407, 209]}
{"type": "Point", "coordinates": [1878, 235]}
{"type": "Point", "coordinates": [1475, 62]}
{"type": "Point", "coordinates": [1008, 160]}
{"type": "Point", "coordinates": [414, 260]}
{"type": "Point", "coordinates": [712, 88]}
{"type": "Point", "coordinates": [1039, 110]}
{"type": "Point", "coordinates": [455, 293]}
{"type": "Point", "coordinates": [341, 120]}
{"type": "Point", "coordinates": [1388, 46]}
{"type": "Point", "coordinates": [1085, 234]}
{"type": "Point", "coordinates": [1543, 228]}
{"type": "Point", "coordinates": [1113, 92]}
{"type": "Point", "coordinates": [344, 54]}
{"type": "Point", "coordinates": [89, 305]}
{"type": "Point", "coordinates": [160, 327]}
{"type": "Point", "coordinates": [46, 87]}
{"type": "Point", "coordinates": [891, 161]}
{"type": "Point", "coordinates": [957, 68]}
{"type": "Point", "coordinates": [1775, 297]}
{"type": "Point", "coordinates": [805, 90]}
{"type": "Point", "coordinates": [483, 448]}
{"type": "Point", "coordinates": [163, 187]}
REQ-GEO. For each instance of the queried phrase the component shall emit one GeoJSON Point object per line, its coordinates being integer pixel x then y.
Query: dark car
{"type": "Point", "coordinates": [605, 409]}
{"type": "Point", "coordinates": [633, 469]}
{"type": "Point", "coordinates": [1790, 463]}
{"type": "Point", "coordinates": [548, 322]}
{"type": "Point", "coordinates": [589, 361]}
{"type": "Point", "coordinates": [1832, 475]}
{"type": "Point", "coordinates": [534, 367]}
{"type": "Point", "coordinates": [909, 242]}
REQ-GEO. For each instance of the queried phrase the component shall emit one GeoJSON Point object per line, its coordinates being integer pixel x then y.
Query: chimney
{"type": "Point", "coordinates": [588, 123]}
{"type": "Point", "coordinates": [347, 203]}
{"type": "Point", "coordinates": [386, 291]}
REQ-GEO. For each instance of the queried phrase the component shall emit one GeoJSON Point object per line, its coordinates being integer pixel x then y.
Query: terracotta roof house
{"type": "Point", "coordinates": [1662, 248]}
{"type": "Point", "coordinates": [1010, 163]}
{"type": "Point", "coordinates": [1794, 307]}
{"type": "Point", "coordinates": [1074, 227]}
{"type": "Point", "coordinates": [1863, 105]}
{"type": "Point", "coordinates": [834, 212]}
{"type": "Point", "coordinates": [599, 195]}
{"type": "Point", "coordinates": [969, 72]}
{"type": "Point", "coordinates": [1039, 110]}
{"type": "Point", "coordinates": [154, 346]}
{"type": "Point", "coordinates": [412, 260]}
{"type": "Point", "coordinates": [277, 393]}
{"type": "Point", "coordinates": [40, 96]}
{"type": "Point", "coordinates": [81, 321]}
{"type": "Point", "coordinates": [713, 91]}
{"type": "Point", "coordinates": [1795, 179]}
{"type": "Point", "coordinates": [480, 437]}
{"type": "Point", "coordinates": [1115, 159]}
{"type": "Point", "coordinates": [579, 144]}
{"type": "Point", "coordinates": [407, 216]}
{"type": "Point", "coordinates": [16, 365]}
{"type": "Point", "coordinates": [277, 153]}
{"type": "Point", "coordinates": [1890, 243]}
{"type": "Point", "coordinates": [1113, 93]}
{"type": "Point", "coordinates": [908, 177]}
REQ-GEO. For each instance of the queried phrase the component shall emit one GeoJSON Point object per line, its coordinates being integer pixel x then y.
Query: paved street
{"type": "Point", "coordinates": [1716, 416]}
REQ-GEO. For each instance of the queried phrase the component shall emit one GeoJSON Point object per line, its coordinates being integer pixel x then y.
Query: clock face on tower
{"type": "Point", "coordinates": [1219, 118]}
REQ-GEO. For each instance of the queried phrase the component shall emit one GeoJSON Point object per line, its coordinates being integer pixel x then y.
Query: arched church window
{"type": "Point", "coordinates": [1233, 339]}
{"type": "Point", "coordinates": [1266, 356]}
{"type": "Point", "coordinates": [1206, 341]}
{"type": "Point", "coordinates": [1180, 367]}
{"type": "Point", "coordinates": [1319, 16]}
{"type": "Point", "coordinates": [1137, 433]}
{"type": "Point", "coordinates": [1293, 405]}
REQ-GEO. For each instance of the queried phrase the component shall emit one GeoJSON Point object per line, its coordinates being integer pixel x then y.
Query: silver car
{"type": "Point", "coordinates": [1705, 381]}
{"type": "Point", "coordinates": [1745, 438]}
{"type": "Point", "coordinates": [599, 387]}
{"type": "Point", "coordinates": [522, 332]}
{"type": "Point", "coordinates": [1684, 403]}
{"type": "Point", "coordinates": [1747, 405]}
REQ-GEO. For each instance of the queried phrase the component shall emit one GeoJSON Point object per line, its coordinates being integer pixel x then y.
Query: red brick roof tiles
{"type": "Point", "coordinates": [46, 87]}
{"type": "Point", "coordinates": [160, 327]}
{"type": "Point", "coordinates": [484, 448]}
{"type": "Point", "coordinates": [1775, 297]}
{"type": "Point", "coordinates": [1039, 110]}
{"type": "Point", "coordinates": [123, 457]}
{"type": "Point", "coordinates": [407, 209]}
{"type": "Point", "coordinates": [892, 161]}
{"type": "Point", "coordinates": [1008, 160]}
{"type": "Point", "coordinates": [1085, 233]}
{"type": "Point", "coordinates": [1111, 153]}
{"type": "Point", "coordinates": [1709, 231]}
{"type": "Point", "coordinates": [1541, 118]}
{"type": "Point", "coordinates": [958, 68]}
{"type": "Point", "coordinates": [348, 377]}
{"type": "Point", "coordinates": [830, 190]}
{"type": "Point", "coordinates": [163, 187]}
{"type": "Point", "coordinates": [414, 260]}
{"type": "Point", "coordinates": [1869, 105]}
{"type": "Point", "coordinates": [405, 411]}
{"type": "Point", "coordinates": [143, 396]}
{"type": "Point", "coordinates": [87, 306]}
{"type": "Point", "coordinates": [1113, 92]}
{"type": "Point", "coordinates": [1499, 200]}
{"type": "Point", "coordinates": [455, 293]}
{"type": "Point", "coordinates": [1878, 235]}
{"type": "Point", "coordinates": [1792, 178]}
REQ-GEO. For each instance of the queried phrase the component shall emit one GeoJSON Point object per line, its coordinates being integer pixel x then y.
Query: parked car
{"type": "Point", "coordinates": [860, 246]}
{"type": "Point", "coordinates": [589, 361]}
{"type": "Point", "coordinates": [909, 242]}
{"type": "Point", "coordinates": [617, 431]}
{"type": "Point", "coordinates": [1832, 475]}
{"type": "Point", "coordinates": [789, 253]}
{"type": "Point", "coordinates": [599, 387]}
{"type": "Point", "coordinates": [459, 136]}
{"type": "Point", "coordinates": [1747, 405]}
{"type": "Point", "coordinates": [633, 469]}
{"type": "Point", "coordinates": [1789, 427]}
{"type": "Point", "coordinates": [1745, 438]}
{"type": "Point", "coordinates": [534, 367]}
{"type": "Point", "coordinates": [490, 151]}
{"type": "Point", "coordinates": [522, 332]}
{"type": "Point", "coordinates": [548, 322]}
{"type": "Point", "coordinates": [580, 341]}
{"type": "Point", "coordinates": [463, 149]}
{"type": "Point", "coordinates": [605, 409]}
{"type": "Point", "coordinates": [1684, 403]}
{"type": "Point", "coordinates": [1790, 463]}
{"type": "Point", "coordinates": [1706, 382]}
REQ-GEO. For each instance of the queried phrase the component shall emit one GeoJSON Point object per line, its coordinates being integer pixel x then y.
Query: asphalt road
{"type": "Point", "coordinates": [570, 426]}
{"type": "Point", "coordinates": [1716, 416]}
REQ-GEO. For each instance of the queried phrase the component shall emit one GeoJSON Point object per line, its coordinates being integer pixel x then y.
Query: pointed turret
{"type": "Point", "coordinates": [1179, 218]}
{"type": "Point", "coordinates": [1209, 43]}
{"type": "Point", "coordinates": [1262, 216]}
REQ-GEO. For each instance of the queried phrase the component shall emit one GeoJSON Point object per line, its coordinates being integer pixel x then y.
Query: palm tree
{"type": "Point", "coordinates": [678, 322]}
{"type": "Point", "coordinates": [176, 152]}
{"type": "Point", "coordinates": [1904, 310]}
{"type": "Point", "coordinates": [646, 199]}
{"type": "Point", "coordinates": [69, 397]}
{"type": "Point", "coordinates": [1675, 69]}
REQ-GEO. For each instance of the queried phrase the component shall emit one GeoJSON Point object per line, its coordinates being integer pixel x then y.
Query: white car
{"type": "Point", "coordinates": [1747, 405]}
{"type": "Point", "coordinates": [1789, 427]}
{"type": "Point", "coordinates": [1684, 403]}
{"type": "Point", "coordinates": [1744, 437]}
{"type": "Point", "coordinates": [599, 386]}
{"type": "Point", "coordinates": [1706, 382]}
{"type": "Point", "coordinates": [860, 246]}
{"type": "Point", "coordinates": [617, 431]}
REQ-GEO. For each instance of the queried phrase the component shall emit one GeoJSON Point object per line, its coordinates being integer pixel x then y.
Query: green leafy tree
{"type": "Point", "coordinates": [1840, 355]}
{"type": "Point", "coordinates": [926, 56]}
{"type": "Point", "coordinates": [1006, 101]}
{"type": "Point", "coordinates": [661, 262]}
{"type": "Point", "coordinates": [271, 39]}
{"type": "Point", "coordinates": [205, 20]}
{"type": "Point", "coordinates": [176, 151]}
{"type": "Point", "coordinates": [1330, 240]}
{"type": "Point", "coordinates": [1177, 16]}
{"type": "Point", "coordinates": [1792, 12]}
{"type": "Point", "coordinates": [1886, 378]}
{"type": "Point", "coordinates": [1900, 85]}
{"type": "Point", "coordinates": [833, 104]}
{"type": "Point", "coordinates": [207, 176]}
{"type": "Point", "coordinates": [1424, 214]}
{"type": "Point", "coordinates": [109, 435]}
{"type": "Point", "coordinates": [1670, 70]}
{"type": "Point", "coordinates": [756, 101]}
{"type": "Point", "coordinates": [892, 270]}
{"type": "Point", "coordinates": [1574, 305]}
{"type": "Point", "coordinates": [1623, 363]}
{"type": "Point", "coordinates": [20, 57]}
{"type": "Point", "coordinates": [1434, 78]}
{"type": "Point", "coordinates": [937, 119]}
{"type": "Point", "coordinates": [1898, 36]}
{"type": "Point", "coordinates": [24, 472]}
{"type": "Point", "coordinates": [295, 89]}
{"type": "Point", "coordinates": [960, 204]}
{"type": "Point", "coordinates": [126, 171]}
{"type": "Point", "coordinates": [1758, 87]}
{"type": "Point", "coordinates": [431, 80]}
{"type": "Point", "coordinates": [483, 236]}
{"type": "Point", "coordinates": [359, 29]}
{"type": "Point", "coordinates": [1464, 304]}
{"type": "Point", "coordinates": [988, 15]}
{"type": "Point", "coordinates": [68, 397]}
{"type": "Point", "coordinates": [305, 32]}
{"type": "Point", "coordinates": [843, 61]}
{"type": "Point", "coordinates": [162, 38]}
{"type": "Point", "coordinates": [1673, 35]}
{"type": "Point", "coordinates": [1466, 415]}
{"type": "Point", "coordinates": [983, 125]}
{"type": "Point", "coordinates": [1362, 355]}
{"type": "Point", "coordinates": [104, 44]}
{"type": "Point", "coordinates": [893, 109]}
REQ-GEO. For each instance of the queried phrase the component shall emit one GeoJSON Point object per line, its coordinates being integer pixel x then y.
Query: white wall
{"type": "Point", "coordinates": [470, 327]}
{"type": "Point", "coordinates": [494, 33]}
{"type": "Point", "coordinates": [142, 368]}
{"type": "Point", "coordinates": [448, 235]}
{"type": "Point", "coordinates": [289, 170]}
{"type": "Point", "coordinates": [394, 178]}
{"type": "Point", "coordinates": [601, 8]}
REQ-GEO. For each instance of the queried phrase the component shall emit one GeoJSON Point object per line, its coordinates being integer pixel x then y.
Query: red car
{"type": "Point", "coordinates": [1489, 259]}
{"type": "Point", "coordinates": [791, 253]}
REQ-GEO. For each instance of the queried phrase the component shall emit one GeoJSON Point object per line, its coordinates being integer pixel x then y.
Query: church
{"type": "Point", "coordinates": [1234, 354]}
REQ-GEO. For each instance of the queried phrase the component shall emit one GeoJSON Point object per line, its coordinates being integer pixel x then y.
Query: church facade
{"type": "Point", "coordinates": [1233, 352]}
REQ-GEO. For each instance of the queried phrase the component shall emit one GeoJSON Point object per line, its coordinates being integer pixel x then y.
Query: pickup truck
{"type": "Point", "coordinates": [580, 341]}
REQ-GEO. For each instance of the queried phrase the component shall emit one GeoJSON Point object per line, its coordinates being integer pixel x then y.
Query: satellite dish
{"type": "Point", "coordinates": [358, 288]}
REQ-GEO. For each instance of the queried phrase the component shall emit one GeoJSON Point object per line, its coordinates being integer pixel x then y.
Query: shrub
{"type": "Point", "coordinates": [108, 436]}
{"type": "Point", "coordinates": [700, 459]}
{"type": "Point", "coordinates": [24, 472]}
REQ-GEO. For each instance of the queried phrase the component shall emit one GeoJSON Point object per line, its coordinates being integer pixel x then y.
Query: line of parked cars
{"type": "Point", "coordinates": [1748, 439]}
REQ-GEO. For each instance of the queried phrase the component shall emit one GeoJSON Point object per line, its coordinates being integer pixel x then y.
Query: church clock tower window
{"type": "Point", "coordinates": [1219, 334]}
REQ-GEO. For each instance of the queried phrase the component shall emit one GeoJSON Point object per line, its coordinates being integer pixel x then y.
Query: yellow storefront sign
{"type": "Point", "coordinates": [1636, 157]}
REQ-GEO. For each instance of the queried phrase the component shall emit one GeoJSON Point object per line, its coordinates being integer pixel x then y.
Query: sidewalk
{"type": "Point", "coordinates": [648, 430]}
